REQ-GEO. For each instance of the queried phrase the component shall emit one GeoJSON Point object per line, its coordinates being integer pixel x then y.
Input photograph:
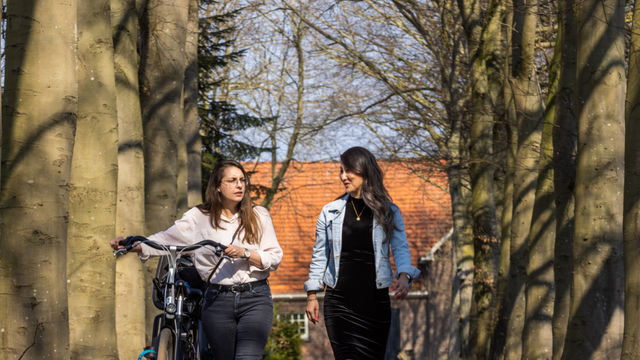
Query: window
{"type": "Point", "coordinates": [301, 320]}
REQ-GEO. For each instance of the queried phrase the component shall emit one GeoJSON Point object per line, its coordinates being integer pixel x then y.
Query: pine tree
{"type": "Point", "coordinates": [219, 119]}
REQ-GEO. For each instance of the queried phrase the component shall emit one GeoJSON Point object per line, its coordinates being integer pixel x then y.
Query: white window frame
{"type": "Point", "coordinates": [301, 319]}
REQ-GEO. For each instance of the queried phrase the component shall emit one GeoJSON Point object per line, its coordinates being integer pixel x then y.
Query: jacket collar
{"type": "Point", "coordinates": [337, 206]}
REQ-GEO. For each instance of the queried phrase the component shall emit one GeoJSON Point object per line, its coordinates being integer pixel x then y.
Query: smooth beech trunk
{"type": "Point", "coordinates": [529, 113]}
{"type": "Point", "coordinates": [631, 343]}
{"type": "Point", "coordinates": [597, 299]}
{"type": "Point", "coordinates": [130, 282]}
{"type": "Point", "coordinates": [540, 294]}
{"type": "Point", "coordinates": [38, 124]}
{"type": "Point", "coordinates": [92, 204]}
{"type": "Point", "coordinates": [564, 159]}
{"type": "Point", "coordinates": [485, 229]}
{"type": "Point", "coordinates": [191, 131]}
{"type": "Point", "coordinates": [163, 25]}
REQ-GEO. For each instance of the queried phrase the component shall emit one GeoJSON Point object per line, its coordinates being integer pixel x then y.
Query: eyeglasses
{"type": "Point", "coordinates": [234, 181]}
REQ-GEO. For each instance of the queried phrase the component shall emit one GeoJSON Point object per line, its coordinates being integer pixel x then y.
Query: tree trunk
{"type": "Point", "coordinates": [540, 294]}
{"type": "Point", "coordinates": [500, 317]}
{"type": "Point", "coordinates": [564, 158]}
{"type": "Point", "coordinates": [529, 112]}
{"type": "Point", "coordinates": [38, 122]}
{"type": "Point", "coordinates": [163, 27]}
{"type": "Point", "coordinates": [485, 231]}
{"type": "Point", "coordinates": [162, 77]}
{"type": "Point", "coordinates": [92, 203]}
{"type": "Point", "coordinates": [130, 282]}
{"type": "Point", "coordinates": [191, 120]}
{"type": "Point", "coordinates": [631, 343]}
{"type": "Point", "coordinates": [462, 245]}
{"type": "Point", "coordinates": [596, 320]}
{"type": "Point", "coordinates": [182, 168]}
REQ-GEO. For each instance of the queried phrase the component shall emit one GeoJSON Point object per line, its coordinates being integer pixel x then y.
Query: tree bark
{"type": "Point", "coordinates": [540, 294]}
{"type": "Point", "coordinates": [485, 230]}
{"type": "Point", "coordinates": [463, 251]}
{"type": "Point", "coordinates": [500, 317]}
{"type": "Point", "coordinates": [596, 320]}
{"type": "Point", "coordinates": [564, 159]}
{"type": "Point", "coordinates": [161, 81]}
{"type": "Point", "coordinates": [191, 120]}
{"type": "Point", "coordinates": [130, 282]}
{"type": "Point", "coordinates": [91, 274]}
{"type": "Point", "coordinates": [163, 27]}
{"type": "Point", "coordinates": [529, 112]}
{"type": "Point", "coordinates": [38, 123]}
{"type": "Point", "coordinates": [631, 342]}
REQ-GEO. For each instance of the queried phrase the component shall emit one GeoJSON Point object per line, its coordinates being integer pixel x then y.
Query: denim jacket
{"type": "Point", "coordinates": [325, 260]}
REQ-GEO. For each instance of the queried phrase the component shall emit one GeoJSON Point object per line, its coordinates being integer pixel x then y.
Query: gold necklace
{"type": "Point", "coordinates": [356, 211]}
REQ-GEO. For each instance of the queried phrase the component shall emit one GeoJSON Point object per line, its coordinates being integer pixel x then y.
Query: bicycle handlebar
{"type": "Point", "coordinates": [132, 241]}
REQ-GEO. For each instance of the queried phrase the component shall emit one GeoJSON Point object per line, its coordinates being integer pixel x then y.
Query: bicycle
{"type": "Point", "coordinates": [176, 329]}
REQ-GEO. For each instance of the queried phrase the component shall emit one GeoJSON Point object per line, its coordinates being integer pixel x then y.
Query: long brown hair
{"type": "Point", "coordinates": [361, 161]}
{"type": "Point", "coordinates": [213, 203]}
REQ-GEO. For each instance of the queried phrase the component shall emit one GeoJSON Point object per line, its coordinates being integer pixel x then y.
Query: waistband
{"type": "Point", "coordinates": [238, 287]}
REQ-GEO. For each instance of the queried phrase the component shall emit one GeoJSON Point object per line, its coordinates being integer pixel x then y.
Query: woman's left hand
{"type": "Point", "coordinates": [401, 287]}
{"type": "Point", "coordinates": [234, 252]}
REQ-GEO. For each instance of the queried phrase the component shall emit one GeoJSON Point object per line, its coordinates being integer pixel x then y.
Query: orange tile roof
{"type": "Point", "coordinates": [308, 186]}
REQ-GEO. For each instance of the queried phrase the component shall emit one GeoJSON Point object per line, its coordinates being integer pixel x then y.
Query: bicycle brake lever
{"type": "Point", "coordinates": [119, 252]}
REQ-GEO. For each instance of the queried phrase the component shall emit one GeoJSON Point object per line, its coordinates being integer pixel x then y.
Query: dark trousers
{"type": "Point", "coordinates": [237, 325]}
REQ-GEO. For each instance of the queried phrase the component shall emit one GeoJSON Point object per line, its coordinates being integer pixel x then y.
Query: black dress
{"type": "Point", "coordinates": [357, 314]}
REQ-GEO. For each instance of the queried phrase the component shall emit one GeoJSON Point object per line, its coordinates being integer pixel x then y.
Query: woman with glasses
{"type": "Point", "coordinates": [238, 309]}
{"type": "Point", "coordinates": [355, 237]}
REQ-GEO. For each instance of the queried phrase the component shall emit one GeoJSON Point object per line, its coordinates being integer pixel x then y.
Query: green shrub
{"type": "Point", "coordinates": [284, 342]}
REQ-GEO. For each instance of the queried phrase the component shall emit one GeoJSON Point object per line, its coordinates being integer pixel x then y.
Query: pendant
{"type": "Point", "coordinates": [358, 218]}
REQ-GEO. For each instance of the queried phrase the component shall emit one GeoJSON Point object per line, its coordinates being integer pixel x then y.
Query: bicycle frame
{"type": "Point", "coordinates": [182, 323]}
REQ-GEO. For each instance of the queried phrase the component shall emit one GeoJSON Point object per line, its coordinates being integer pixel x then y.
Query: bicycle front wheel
{"type": "Point", "coordinates": [165, 345]}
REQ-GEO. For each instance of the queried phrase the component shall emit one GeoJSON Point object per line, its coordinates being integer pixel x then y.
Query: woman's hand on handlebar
{"type": "Point", "coordinates": [235, 252]}
{"type": "Point", "coordinates": [115, 245]}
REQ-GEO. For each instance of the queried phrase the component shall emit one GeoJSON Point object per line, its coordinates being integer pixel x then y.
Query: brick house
{"type": "Point", "coordinates": [307, 187]}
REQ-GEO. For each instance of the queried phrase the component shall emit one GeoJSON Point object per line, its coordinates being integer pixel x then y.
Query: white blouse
{"type": "Point", "coordinates": [195, 226]}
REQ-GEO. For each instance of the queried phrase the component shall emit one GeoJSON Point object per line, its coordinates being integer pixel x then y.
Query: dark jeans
{"type": "Point", "coordinates": [237, 325]}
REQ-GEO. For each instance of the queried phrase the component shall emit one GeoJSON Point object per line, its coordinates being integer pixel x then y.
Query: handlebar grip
{"type": "Point", "coordinates": [131, 241]}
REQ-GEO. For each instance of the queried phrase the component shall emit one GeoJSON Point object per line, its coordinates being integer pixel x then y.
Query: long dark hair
{"type": "Point", "coordinates": [213, 202]}
{"type": "Point", "coordinates": [361, 161]}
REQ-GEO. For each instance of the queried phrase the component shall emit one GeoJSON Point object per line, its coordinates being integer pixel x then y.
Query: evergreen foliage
{"type": "Point", "coordinates": [219, 119]}
{"type": "Point", "coordinates": [284, 342]}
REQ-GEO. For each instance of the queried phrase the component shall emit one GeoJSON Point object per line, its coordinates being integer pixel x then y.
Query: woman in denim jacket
{"type": "Point", "coordinates": [354, 235]}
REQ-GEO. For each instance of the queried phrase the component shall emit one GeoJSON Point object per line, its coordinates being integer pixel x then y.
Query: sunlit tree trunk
{"type": "Point", "coordinates": [596, 319]}
{"type": "Point", "coordinates": [631, 343]}
{"type": "Point", "coordinates": [485, 229]}
{"type": "Point", "coordinates": [501, 318]}
{"type": "Point", "coordinates": [92, 204]}
{"type": "Point", "coordinates": [162, 64]}
{"type": "Point", "coordinates": [182, 169]}
{"type": "Point", "coordinates": [529, 112]}
{"type": "Point", "coordinates": [511, 130]}
{"type": "Point", "coordinates": [564, 159]}
{"type": "Point", "coordinates": [540, 294]}
{"type": "Point", "coordinates": [191, 123]}
{"type": "Point", "coordinates": [130, 285]}
{"type": "Point", "coordinates": [162, 76]}
{"type": "Point", "coordinates": [462, 244]}
{"type": "Point", "coordinates": [38, 122]}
